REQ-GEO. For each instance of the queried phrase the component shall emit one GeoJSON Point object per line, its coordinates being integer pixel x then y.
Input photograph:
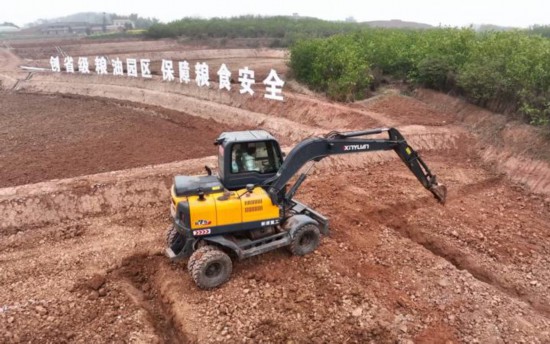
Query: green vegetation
{"type": "Point", "coordinates": [285, 29]}
{"type": "Point", "coordinates": [504, 71]}
{"type": "Point", "coordinates": [344, 78]}
{"type": "Point", "coordinates": [128, 34]}
{"type": "Point", "coordinates": [542, 30]}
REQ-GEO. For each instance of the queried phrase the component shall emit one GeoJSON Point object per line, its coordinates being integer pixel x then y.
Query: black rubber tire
{"type": "Point", "coordinates": [211, 269]}
{"type": "Point", "coordinates": [197, 254]}
{"type": "Point", "coordinates": [171, 235]}
{"type": "Point", "coordinates": [305, 240]}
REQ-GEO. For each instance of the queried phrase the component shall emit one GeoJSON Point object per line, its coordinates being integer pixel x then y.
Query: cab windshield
{"type": "Point", "coordinates": [260, 157]}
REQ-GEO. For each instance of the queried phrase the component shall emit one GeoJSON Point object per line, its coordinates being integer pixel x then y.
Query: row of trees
{"type": "Point", "coordinates": [504, 71]}
{"type": "Point", "coordinates": [542, 30]}
{"type": "Point", "coordinates": [286, 29]}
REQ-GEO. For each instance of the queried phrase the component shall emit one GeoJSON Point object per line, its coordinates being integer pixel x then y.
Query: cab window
{"type": "Point", "coordinates": [260, 157]}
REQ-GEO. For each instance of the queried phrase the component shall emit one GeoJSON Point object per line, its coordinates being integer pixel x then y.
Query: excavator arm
{"type": "Point", "coordinates": [315, 149]}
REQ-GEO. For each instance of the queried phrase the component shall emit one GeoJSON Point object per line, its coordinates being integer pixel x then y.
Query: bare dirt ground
{"type": "Point", "coordinates": [80, 258]}
{"type": "Point", "coordinates": [45, 137]}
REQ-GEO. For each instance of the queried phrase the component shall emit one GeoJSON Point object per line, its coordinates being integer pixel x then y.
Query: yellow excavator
{"type": "Point", "coordinates": [248, 208]}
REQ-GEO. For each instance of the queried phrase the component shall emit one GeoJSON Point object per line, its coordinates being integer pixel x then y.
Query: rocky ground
{"type": "Point", "coordinates": [81, 258]}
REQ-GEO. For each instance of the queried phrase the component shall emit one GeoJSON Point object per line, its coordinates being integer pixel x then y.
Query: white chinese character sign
{"type": "Point", "coordinates": [54, 63]}
{"type": "Point", "coordinates": [118, 68]}
{"type": "Point", "coordinates": [69, 64]}
{"type": "Point", "coordinates": [274, 86]}
{"type": "Point", "coordinates": [185, 72]}
{"type": "Point", "coordinates": [145, 71]}
{"type": "Point", "coordinates": [83, 66]}
{"type": "Point", "coordinates": [167, 70]}
{"type": "Point", "coordinates": [202, 74]}
{"type": "Point", "coordinates": [101, 65]}
{"type": "Point", "coordinates": [173, 71]}
{"type": "Point", "coordinates": [246, 77]}
{"type": "Point", "coordinates": [225, 77]}
{"type": "Point", "coordinates": [131, 68]}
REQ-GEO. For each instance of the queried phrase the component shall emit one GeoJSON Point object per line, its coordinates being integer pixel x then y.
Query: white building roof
{"type": "Point", "coordinates": [8, 29]}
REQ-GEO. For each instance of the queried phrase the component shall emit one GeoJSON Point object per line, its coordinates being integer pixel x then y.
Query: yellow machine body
{"type": "Point", "coordinates": [221, 209]}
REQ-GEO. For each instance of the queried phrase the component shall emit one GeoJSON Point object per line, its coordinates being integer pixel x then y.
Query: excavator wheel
{"type": "Point", "coordinates": [211, 268]}
{"type": "Point", "coordinates": [305, 240]}
{"type": "Point", "coordinates": [171, 235]}
{"type": "Point", "coordinates": [199, 252]}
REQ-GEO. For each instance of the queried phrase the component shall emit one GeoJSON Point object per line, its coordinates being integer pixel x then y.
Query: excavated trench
{"type": "Point", "coordinates": [459, 257]}
{"type": "Point", "coordinates": [139, 277]}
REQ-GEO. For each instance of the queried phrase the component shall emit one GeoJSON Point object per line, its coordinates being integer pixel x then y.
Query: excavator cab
{"type": "Point", "coordinates": [247, 157]}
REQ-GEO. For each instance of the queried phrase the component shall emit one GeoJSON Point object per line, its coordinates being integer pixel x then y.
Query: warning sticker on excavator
{"type": "Point", "coordinates": [199, 232]}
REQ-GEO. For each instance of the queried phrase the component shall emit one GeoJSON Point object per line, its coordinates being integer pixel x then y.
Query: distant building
{"type": "Point", "coordinates": [7, 28]}
{"type": "Point", "coordinates": [122, 24]}
{"type": "Point", "coordinates": [77, 28]}
{"type": "Point", "coordinates": [69, 28]}
{"type": "Point", "coordinates": [97, 29]}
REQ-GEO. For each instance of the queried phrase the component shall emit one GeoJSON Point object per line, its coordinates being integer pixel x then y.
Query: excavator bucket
{"type": "Point", "coordinates": [440, 192]}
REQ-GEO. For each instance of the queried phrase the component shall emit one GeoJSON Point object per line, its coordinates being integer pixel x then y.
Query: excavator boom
{"type": "Point", "coordinates": [334, 143]}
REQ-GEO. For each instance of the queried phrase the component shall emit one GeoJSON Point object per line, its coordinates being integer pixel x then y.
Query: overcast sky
{"type": "Point", "coordinates": [456, 13]}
